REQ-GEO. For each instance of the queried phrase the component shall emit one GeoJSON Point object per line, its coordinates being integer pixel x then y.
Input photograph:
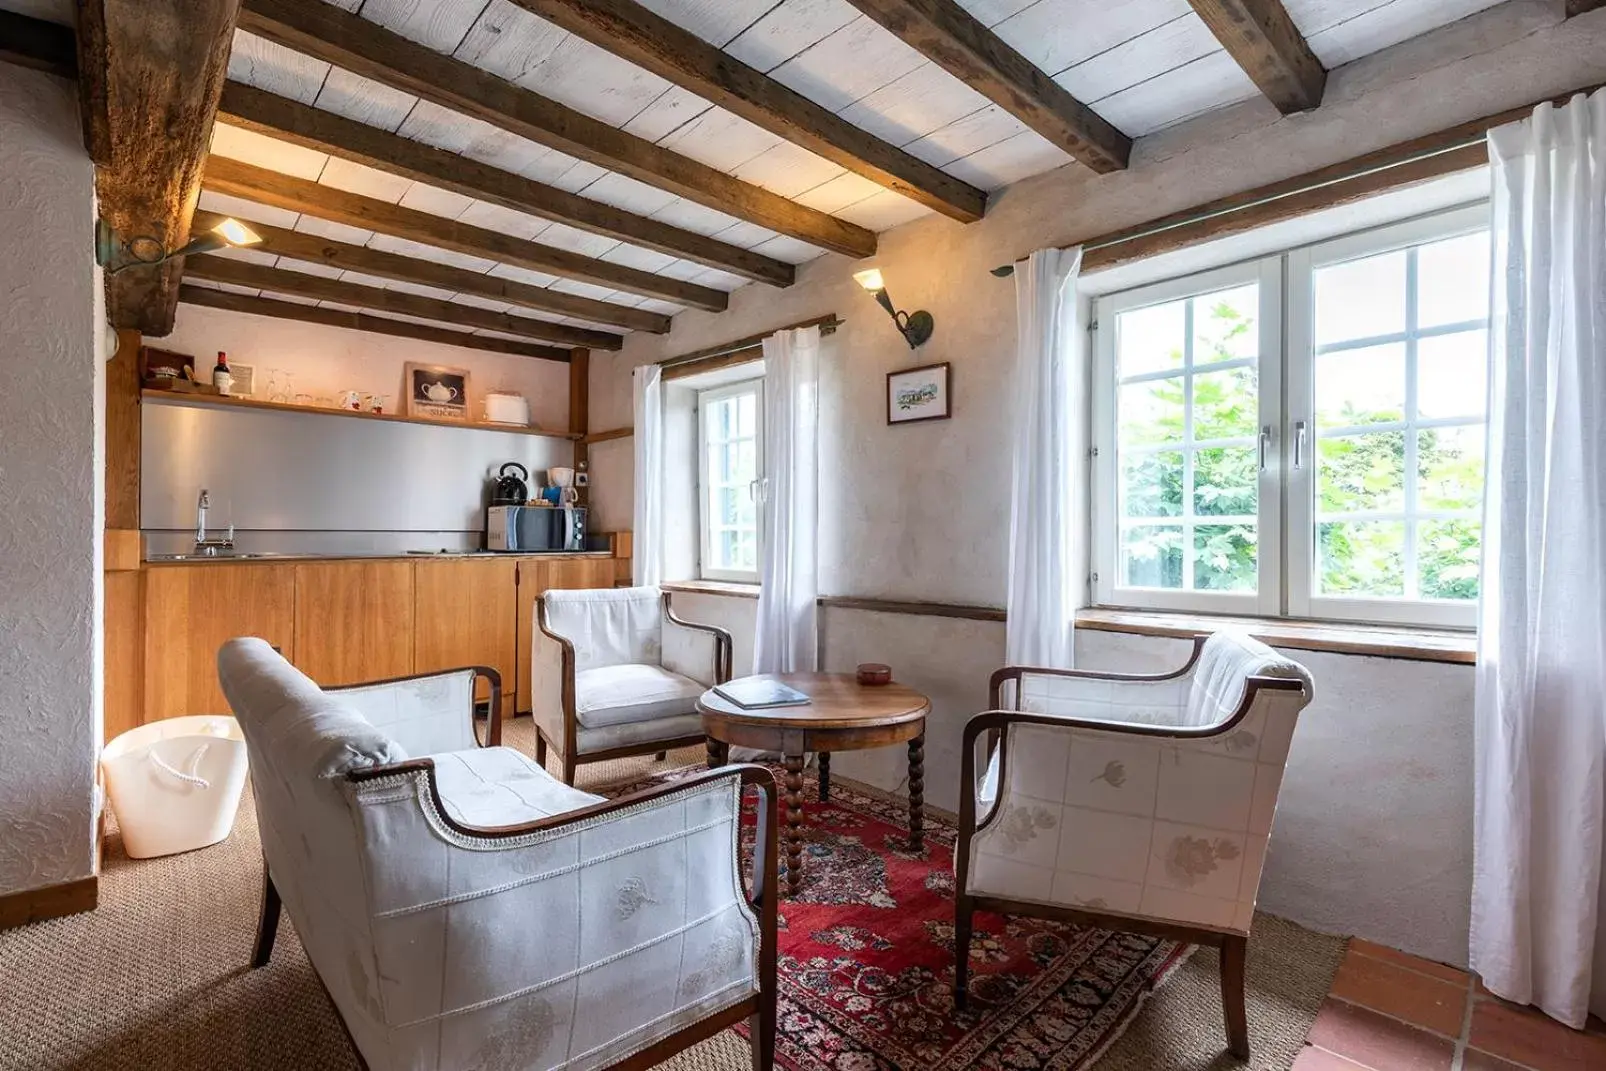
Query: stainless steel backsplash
{"type": "Point", "coordinates": [302, 481]}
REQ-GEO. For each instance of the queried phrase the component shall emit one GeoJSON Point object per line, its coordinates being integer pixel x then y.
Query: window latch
{"type": "Point", "coordinates": [1265, 443]}
{"type": "Point", "coordinates": [1299, 444]}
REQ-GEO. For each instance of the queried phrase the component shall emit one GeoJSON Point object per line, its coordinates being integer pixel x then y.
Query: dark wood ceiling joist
{"type": "Point", "coordinates": [1583, 7]}
{"type": "Point", "coordinates": [653, 43]}
{"type": "Point", "coordinates": [1270, 49]}
{"type": "Point", "coordinates": [289, 120]}
{"type": "Point", "coordinates": [319, 250]}
{"type": "Point", "coordinates": [950, 37]}
{"type": "Point", "coordinates": [362, 321]}
{"type": "Point", "coordinates": [218, 269]}
{"type": "Point", "coordinates": [325, 32]}
{"type": "Point", "coordinates": [151, 72]}
{"type": "Point", "coordinates": [259, 184]}
{"type": "Point", "coordinates": [43, 46]}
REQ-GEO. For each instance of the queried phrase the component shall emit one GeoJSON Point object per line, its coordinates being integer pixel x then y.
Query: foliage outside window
{"type": "Point", "coordinates": [731, 464]}
{"type": "Point", "coordinates": [1377, 445]}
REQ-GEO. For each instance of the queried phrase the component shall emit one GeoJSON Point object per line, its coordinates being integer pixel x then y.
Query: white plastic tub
{"type": "Point", "coordinates": [175, 784]}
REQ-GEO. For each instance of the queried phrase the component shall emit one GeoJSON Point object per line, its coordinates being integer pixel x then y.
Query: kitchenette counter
{"type": "Point", "coordinates": [378, 555]}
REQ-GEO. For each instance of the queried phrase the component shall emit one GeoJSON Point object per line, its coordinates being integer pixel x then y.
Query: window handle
{"type": "Point", "coordinates": [1299, 444]}
{"type": "Point", "coordinates": [1265, 443]}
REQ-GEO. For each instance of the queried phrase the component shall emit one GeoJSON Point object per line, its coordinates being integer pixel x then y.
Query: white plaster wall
{"type": "Point", "coordinates": [328, 361]}
{"type": "Point", "coordinates": [50, 444]}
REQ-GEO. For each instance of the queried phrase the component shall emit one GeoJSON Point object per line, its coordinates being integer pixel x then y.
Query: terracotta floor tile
{"type": "Point", "coordinates": [1473, 1060]}
{"type": "Point", "coordinates": [1314, 1059]}
{"type": "Point", "coordinates": [1378, 1042]}
{"type": "Point", "coordinates": [1418, 999]}
{"type": "Point", "coordinates": [1408, 961]}
{"type": "Point", "coordinates": [1531, 1038]}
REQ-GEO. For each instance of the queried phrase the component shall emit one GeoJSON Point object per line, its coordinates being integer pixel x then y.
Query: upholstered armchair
{"type": "Point", "coordinates": [464, 909]}
{"type": "Point", "coordinates": [1134, 803]}
{"type": "Point", "coordinates": [616, 673]}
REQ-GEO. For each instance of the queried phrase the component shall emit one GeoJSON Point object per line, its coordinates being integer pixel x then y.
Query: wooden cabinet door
{"type": "Point", "coordinates": [466, 614]}
{"type": "Point", "coordinates": [354, 620]}
{"type": "Point", "coordinates": [536, 576]}
{"type": "Point", "coordinates": [190, 610]}
{"type": "Point", "coordinates": [125, 653]}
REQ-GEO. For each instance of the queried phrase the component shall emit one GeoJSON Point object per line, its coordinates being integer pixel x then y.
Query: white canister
{"type": "Point", "coordinates": [505, 407]}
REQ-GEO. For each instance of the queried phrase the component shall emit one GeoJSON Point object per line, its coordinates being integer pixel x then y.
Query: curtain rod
{"type": "Point", "coordinates": [1004, 271]}
{"type": "Point", "coordinates": [827, 325]}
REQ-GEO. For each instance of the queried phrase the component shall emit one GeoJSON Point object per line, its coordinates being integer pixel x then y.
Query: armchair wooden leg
{"type": "Point", "coordinates": [1234, 957]}
{"type": "Point", "coordinates": [568, 770]}
{"type": "Point", "coordinates": [964, 920]}
{"type": "Point", "coordinates": [268, 924]}
{"type": "Point", "coordinates": [540, 750]}
{"type": "Point", "coordinates": [761, 1030]}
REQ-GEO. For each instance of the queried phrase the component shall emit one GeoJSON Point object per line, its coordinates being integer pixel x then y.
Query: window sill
{"type": "Point", "coordinates": [1378, 641]}
{"type": "Point", "coordinates": [714, 587]}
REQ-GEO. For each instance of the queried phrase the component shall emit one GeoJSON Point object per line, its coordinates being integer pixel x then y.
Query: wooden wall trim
{"type": "Point", "coordinates": [122, 432]}
{"type": "Point", "coordinates": [50, 902]}
{"type": "Point", "coordinates": [914, 609]}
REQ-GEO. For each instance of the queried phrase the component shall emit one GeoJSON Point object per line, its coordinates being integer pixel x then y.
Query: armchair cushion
{"type": "Point", "coordinates": [608, 626]}
{"type": "Point", "coordinates": [624, 694]}
{"type": "Point", "coordinates": [497, 786]}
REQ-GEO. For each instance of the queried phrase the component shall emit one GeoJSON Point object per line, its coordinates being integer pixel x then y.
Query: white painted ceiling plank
{"type": "Point", "coordinates": [509, 41]}
{"type": "Point", "coordinates": [1056, 34]}
{"type": "Point", "coordinates": [715, 21]}
{"type": "Point", "coordinates": [848, 65]}
{"type": "Point", "coordinates": [230, 205]}
{"type": "Point", "coordinates": [1214, 81]}
{"type": "Point", "coordinates": [789, 28]}
{"type": "Point", "coordinates": [522, 275]}
{"type": "Point", "coordinates": [307, 267]}
{"type": "Point", "coordinates": [294, 299]}
{"type": "Point", "coordinates": [720, 139]}
{"type": "Point", "coordinates": [337, 232]}
{"type": "Point", "coordinates": [1027, 153]}
{"type": "Point", "coordinates": [259, 62]}
{"type": "Point", "coordinates": [580, 289]}
{"type": "Point", "coordinates": [343, 174]}
{"type": "Point", "coordinates": [846, 189]}
{"type": "Point", "coordinates": [237, 143]}
{"type": "Point", "coordinates": [594, 82]}
{"type": "Point", "coordinates": [694, 217]}
{"type": "Point", "coordinates": [627, 193]}
{"type": "Point", "coordinates": [502, 220]}
{"type": "Point", "coordinates": [789, 249]}
{"type": "Point", "coordinates": [1149, 55]}
{"type": "Point", "coordinates": [491, 304]}
{"type": "Point", "coordinates": [1387, 25]}
{"type": "Point", "coordinates": [926, 99]}
{"type": "Point", "coordinates": [673, 109]}
{"type": "Point", "coordinates": [883, 210]}
{"type": "Point", "coordinates": [435, 201]}
{"type": "Point", "coordinates": [563, 236]}
{"type": "Point", "coordinates": [635, 257]}
{"type": "Point", "coordinates": [436, 24]}
{"type": "Point", "coordinates": [364, 100]}
{"type": "Point", "coordinates": [973, 133]}
{"type": "Point", "coordinates": [408, 248]}
{"type": "Point", "coordinates": [745, 235]}
{"type": "Point", "coordinates": [662, 307]}
{"type": "Point", "coordinates": [248, 256]}
{"type": "Point", "coordinates": [787, 169]}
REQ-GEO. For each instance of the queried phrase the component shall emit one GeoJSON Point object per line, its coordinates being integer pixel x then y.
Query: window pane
{"type": "Point", "coordinates": [1365, 386]}
{"type": "Point", "coordinates": [1361, 472]}
{"type": "Point", "coordinates": [746, 414]}
{"type": "Point", "coordinates": [1226, 325]}
{"type": "Point", "coordinates": [1225, 557]}
{"type": "Point", "coordinates": [1151, 485]}
{"type": "Point", "coordinates": [1226, 404]}
{"type": "Point", "coordinates": [1151, 412]}
{"type": "Point", "coordinates": [738, 462]}
{"type": "Point", "coordinates": [1447, 558]}
{"type": "Point", "coordinates": [1361, 299]}
{"type": "Point", "coordinates": [728, 510]}
{"type": "Point", "coordinates": [1452, 375]}
{"type": "Point", "coordinates": [1151, 339]}
{"type": "Point", "coordinates": [1226, 482]}
{"type": "Point", "coordinates": [1151, 556]}
{"type": "Point", "coordinates": [1449, 462]}
{"type": "Point", "coordinates": [1364, 558]}
{"type": "Point", "coordinates": [1453, 280]}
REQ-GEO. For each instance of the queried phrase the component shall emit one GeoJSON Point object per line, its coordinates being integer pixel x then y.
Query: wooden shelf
{"type": "Point", "coordinates": [219, 402]}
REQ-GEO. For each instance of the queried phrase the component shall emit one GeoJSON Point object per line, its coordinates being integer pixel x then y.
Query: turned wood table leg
{"type": "Point", "coordinates": [825, 776]}
{"type": "Point", "coordinates": [794, 823]}
{"type": "Point", "coordinates": [718, 753]}
{"type": "Point", "coordinates": [917, 792]}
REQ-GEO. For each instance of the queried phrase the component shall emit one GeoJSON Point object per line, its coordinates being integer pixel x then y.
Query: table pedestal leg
{"type": "Point", "coordinates": [794, 823]}
{"type": "Point", "coordinates": [825, 776]}
{"type": "Point", "coordinates": [718, 753]}
{"type": "Point", "coordinates": [917, 793]}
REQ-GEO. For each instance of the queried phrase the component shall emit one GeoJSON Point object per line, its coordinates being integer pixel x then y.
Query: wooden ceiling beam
{"type": "Point", "coordinates": [1583, 7]}
{"type": "Point", "coordinates": [290, 120]}
{"type": "Point", "coordinates": [1270, 49]}
{"type": "Point", "coordinates": [319, 250]}
{"type": "Point", "coordinates": [950, 37]}
{"type": "Point", "coordinates": [151, 72]}
{"type": "Point", "coordinates": [362, 321]}
{"type": "Point", "coordinates": [351, 42]}
{"type": "Point", "coordinates": [652, 42]}
{"type": "Point", "coordinates": [43, 46]}
{"type": "Point", "coordinates": [218, 269]}
{"type": "Point", "coordinates": [238, 179]}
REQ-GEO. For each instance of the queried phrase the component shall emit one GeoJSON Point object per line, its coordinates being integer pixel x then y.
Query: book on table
{"type": "Point", "coordinates": [756, 693]}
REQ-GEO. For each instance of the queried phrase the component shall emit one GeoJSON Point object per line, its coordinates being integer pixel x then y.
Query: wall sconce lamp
{"type": "Point", "coordinates": [916, 327]}
{"type": "Point", "coordinates": [231, 232]}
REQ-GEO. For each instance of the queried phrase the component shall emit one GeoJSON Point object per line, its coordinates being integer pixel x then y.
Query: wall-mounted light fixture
{"type": "Point", "coordinates": [916, 327]}
{"type": "Point", "coordinates": [138, 250]}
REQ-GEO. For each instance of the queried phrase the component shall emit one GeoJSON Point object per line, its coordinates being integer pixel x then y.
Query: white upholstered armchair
{"type": "Point", "coordinates": [616, 673]}
{"type": "Point", "coordinates": [465, 909]}
{"type": "Point", "coordinates": [1136, 803]}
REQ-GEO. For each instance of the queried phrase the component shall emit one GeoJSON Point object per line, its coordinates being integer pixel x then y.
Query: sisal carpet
{"type": "Point", "coordinates": [155, 979]}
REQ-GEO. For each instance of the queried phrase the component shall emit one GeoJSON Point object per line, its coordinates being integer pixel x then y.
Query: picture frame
{"type": "Point", "coordinates": [916, 395]}
{"type": "Point", "coordinates": [436, 391]}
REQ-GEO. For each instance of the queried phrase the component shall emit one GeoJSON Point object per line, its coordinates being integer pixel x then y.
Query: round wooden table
{"type": "Point", "coordinates": [844, 715]}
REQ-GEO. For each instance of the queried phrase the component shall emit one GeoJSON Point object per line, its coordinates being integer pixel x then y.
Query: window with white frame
{"type": "Point", "coordinates": [1300, 435]}
{"type": "Point", "coordinates": [731, 448]}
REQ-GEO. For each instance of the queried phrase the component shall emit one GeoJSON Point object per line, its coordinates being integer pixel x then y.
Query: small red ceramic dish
{"type": "Point", "coordinates": [874, 673]}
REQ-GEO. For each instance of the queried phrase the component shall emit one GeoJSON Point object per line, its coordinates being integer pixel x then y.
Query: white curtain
{"type": "Point", "coordinates": [786, 640]}
{"type": "Point", "coordinates": [1047, 422]}
{"type": "Point", "coordinates": [647, 547]}
{"type": "Point", "coordinates": [1537, 927]}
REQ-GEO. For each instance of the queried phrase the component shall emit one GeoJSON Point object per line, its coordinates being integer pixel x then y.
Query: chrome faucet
{"type": "Point", "coordinates": [204, 546]}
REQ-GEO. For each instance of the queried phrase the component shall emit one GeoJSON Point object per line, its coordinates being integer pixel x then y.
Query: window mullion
{"type": "Point", "coordinates": [1188, 466]}
{"type": "Point", "coordinates": [1413, 585]}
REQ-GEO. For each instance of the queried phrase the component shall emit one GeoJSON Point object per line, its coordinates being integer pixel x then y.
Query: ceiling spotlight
{"type": "Point", "coordinates": [916, 327]}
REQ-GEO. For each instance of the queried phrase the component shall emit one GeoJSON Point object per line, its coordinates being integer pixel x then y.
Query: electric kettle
{"type": "Point", "coordinates": [511, 490]}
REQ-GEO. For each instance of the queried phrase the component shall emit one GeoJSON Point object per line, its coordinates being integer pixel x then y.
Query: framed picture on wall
{"type": "Point", "coordinates": [917, 394]}
{"type": "Point", "coordinates": [436, 391]}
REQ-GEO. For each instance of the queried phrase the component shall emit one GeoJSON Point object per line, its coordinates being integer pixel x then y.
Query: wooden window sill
{"type": "Point", "coordinates": [1378, 641]}
{"type": "Point", "coordinates": [714, 587]}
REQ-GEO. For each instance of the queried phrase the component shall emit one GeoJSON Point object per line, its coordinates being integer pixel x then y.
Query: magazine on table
{"type": "Point", "coordinates": [756, 693]}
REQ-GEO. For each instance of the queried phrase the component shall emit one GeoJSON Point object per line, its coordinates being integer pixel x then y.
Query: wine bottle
{"type": "Point", "coordinates": [222, 379]}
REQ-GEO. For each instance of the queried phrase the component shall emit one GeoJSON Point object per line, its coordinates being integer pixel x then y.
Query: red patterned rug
{"type": "Point", "coordinates": [866, 960]}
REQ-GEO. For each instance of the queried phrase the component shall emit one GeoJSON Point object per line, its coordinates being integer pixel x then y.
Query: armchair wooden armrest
{"type": "Point", "coordinates": [1015, 673]}
{"type": "Point", "coordinates": [721, 640]}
